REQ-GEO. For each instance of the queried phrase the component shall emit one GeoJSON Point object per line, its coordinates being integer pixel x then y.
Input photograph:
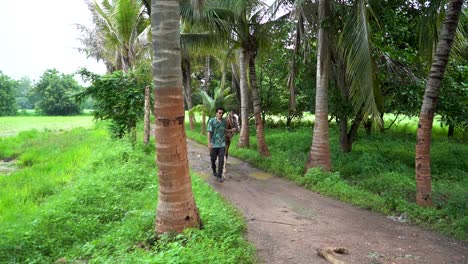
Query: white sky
{"type": "Point", "coordinates": [36, 35]}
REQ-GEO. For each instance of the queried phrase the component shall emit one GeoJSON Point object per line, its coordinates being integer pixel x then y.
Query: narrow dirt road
{"type": "Point", "coordinates": [287, 223]}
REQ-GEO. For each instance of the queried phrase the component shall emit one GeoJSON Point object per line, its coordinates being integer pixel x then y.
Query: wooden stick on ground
{"type": "Point", "coordinates": [328, 254]}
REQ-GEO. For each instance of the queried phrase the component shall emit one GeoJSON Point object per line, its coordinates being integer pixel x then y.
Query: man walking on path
{"type": "Point", "coordinates": [217, 142]}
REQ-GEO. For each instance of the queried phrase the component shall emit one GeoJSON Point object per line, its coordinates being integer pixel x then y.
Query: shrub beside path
{"type": "Point", "coordinates": [287, 223]}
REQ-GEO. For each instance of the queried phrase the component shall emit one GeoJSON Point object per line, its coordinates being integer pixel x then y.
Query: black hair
{"type": "Point", "coordinates": [220, 108]}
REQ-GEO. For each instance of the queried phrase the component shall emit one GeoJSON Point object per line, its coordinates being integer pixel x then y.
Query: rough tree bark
{"type": "Point", "coordinates": [147, 132]}
{"type": "Point", "coordinates": [319, 155]}
{"type": "Point", "coordinates": [431, 96]}
{"type": "Point", "coordinates": [262, 146]}
{"type": "Point", "coordinates": [244, 141]}
{"type": "Point", "coordinates": [176, 205]}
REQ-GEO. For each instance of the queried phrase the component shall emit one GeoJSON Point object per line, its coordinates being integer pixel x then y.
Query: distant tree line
{"type": "Point", "coordinates": [54, 94]}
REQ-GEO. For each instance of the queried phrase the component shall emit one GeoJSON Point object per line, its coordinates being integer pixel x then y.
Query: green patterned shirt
{"type": "Point", "coordinates": [217, 130]}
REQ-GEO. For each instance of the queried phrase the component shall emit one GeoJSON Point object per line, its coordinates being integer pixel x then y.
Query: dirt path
{"type": "Point", "coordinates": [287, 223]}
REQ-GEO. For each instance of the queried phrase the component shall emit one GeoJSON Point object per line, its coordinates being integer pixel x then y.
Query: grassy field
{"type": "Point", "coordinates": [12, 125]}
{"type": "Point", "coordinates": [378, 174]}
{"type": "Point", "coordinates": [79, 196]}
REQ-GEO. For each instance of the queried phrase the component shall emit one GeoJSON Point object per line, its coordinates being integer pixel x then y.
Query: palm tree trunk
{"type": "Point", "coordinates": [293, 69]}
{"type": "Point", "coordinates": [191, 121]}
{"type": "Point", "coordinates": [244, 141]}
{"type": "Point", "coordinates": [223, 74]}
{"type": "Point", "coordinates": [207, 74]}
{"type": "Point", "coordinates": [319, 155]}
{"type": "Point", "coordinates": [343, 115]}
{"type": "Point", "coordinates": [186, 72]}
{"type": "Point", "coordinates": [176, 205]}
{"type": "Point", "coordinates": [431, 96]}
{"type": "Point", "coordinates": [206, 87]}
{"type": "Point", "coordinates": [262, 146]}
{"type": "Point", "coordinates": [235, 85]}
{"type": "Point", "coordinates": [203, 125]}
{"type": "Point", "coordinates": [146, 136]}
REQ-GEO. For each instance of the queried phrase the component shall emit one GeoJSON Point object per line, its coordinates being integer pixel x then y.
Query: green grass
{"type": "Point", "coordinates": [12, 125]}
{"type": "Point", "coordinates": [378, 174]}
{"type": "Point", "coordinates": [83, 197]}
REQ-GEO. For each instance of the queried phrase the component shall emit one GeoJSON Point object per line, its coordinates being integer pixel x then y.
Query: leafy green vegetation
{"type": "Point", "coordinates": [53, 94]}
{"type": "Point", "coordinates": [378, 174]}
{"type": "Point", "coordinates": [81, 196]}
{"type": "Point", "coordinates": [8, 105]}
{"type": "Point", "coordinates": [118, 97]}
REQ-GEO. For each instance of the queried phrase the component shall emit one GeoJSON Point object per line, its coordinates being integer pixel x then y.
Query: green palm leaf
{"type": "Point", "coordinates": [356, 47]}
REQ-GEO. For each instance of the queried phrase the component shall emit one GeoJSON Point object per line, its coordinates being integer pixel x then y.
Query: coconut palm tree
{"type": "Point", "coordinates": [177, 209]}
{"type": "Point", "coordinates": [250, 24]}
{"type": "Point", "coordinates": [203, 35]}
{"type": "Point", "coordinates": [120, 34]}
{"type": "Point", "coordinates": [349, 46]}
{"type": "Point", "coordinates": [431, 96]}
{"type": "Point", "coordinates": [205, 45]}
{"type": "Point", "coordinates": [319, 155]}
{"type": "Point", "coordinates": [244, 138]}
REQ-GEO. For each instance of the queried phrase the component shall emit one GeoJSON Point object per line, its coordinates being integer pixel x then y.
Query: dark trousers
{"type": "Point", "coordinates": [217, 153]}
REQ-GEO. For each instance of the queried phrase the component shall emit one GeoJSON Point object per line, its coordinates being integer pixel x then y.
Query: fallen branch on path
{"type": "Point", "coordinates": [328, 254]}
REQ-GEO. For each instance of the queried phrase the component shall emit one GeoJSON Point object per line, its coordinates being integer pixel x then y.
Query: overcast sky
{"type": "Point", "coordinates": [36, 35]}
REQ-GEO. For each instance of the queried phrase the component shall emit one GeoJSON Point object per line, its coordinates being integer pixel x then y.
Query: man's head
{"type": "Point", "coordinates": [220, 112]}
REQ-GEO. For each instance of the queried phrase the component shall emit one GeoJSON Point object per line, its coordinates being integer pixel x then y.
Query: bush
{"type": "Point", "coordinates": [55, 92]}
{"type": "Point", "coordinates": [118, 97]}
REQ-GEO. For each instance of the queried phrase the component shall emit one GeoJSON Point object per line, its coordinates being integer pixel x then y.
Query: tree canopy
{"type": "Point", "coordinates": [8, 86]}
{"type": "Point", "coordinates": [55, 94]}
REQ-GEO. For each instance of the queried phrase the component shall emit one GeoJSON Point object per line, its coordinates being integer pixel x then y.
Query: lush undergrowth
{"type": "Point", "coordinates": [378, 174]}
{"type": "Point", "coordinates": [81, 197]}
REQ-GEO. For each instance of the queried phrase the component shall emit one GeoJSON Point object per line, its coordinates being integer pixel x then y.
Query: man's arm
{"type": "Point", "coordinates": [209, 141]}
{"type": "Point", "coordinates": [209, 135]}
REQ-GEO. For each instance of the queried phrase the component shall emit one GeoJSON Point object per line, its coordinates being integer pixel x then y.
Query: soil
{"type": "Point", "coordinates": [287, 223]}
{"type": "Point", "coordinates": [7, 166]}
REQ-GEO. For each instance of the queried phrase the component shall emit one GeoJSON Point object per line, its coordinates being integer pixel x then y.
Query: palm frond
{"type": "Point", "coordinates": [208, 101]}
{"type": "Point", "coordinates": [355, 46]}
{"type": "Point", "coordinates": [107, 21]}
{"type": "Point", "coordinates": [199, 109]}
{"type": "Point", "coordinates": [460, 44]}
{"type": "Point", "coordinates": [428, 29]}
{"type": "Point", "coordinates": [202, 43]}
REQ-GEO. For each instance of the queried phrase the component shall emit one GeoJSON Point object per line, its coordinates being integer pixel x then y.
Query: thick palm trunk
{"type": "Point", "coordinates": [244, 141]}
{"type": "Point", "coordinates": [431, 96]}
{"type": "Point", "coordinates": [176, 205]}
{"type": "Point", "coordinates": [319, 155]}
{"type": "Point", "coordinates": [146, 135]}
{"type": "Point", "coordinates": [262, 146]}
